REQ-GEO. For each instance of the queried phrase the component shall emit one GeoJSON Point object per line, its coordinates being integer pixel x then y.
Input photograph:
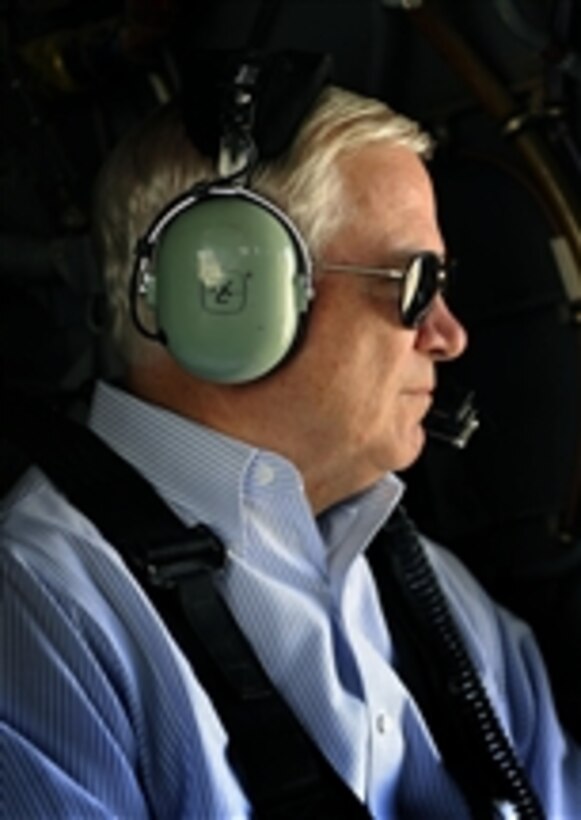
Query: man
{"type": "Point", "coordinates": [294, 472]}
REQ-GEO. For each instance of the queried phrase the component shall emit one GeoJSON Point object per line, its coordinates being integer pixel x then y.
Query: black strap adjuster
{"type": "Point", "coordinates": [166, 565]}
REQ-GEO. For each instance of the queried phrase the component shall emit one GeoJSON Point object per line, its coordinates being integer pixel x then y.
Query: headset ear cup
{"type": "Point", "coordinates": [232, 278]}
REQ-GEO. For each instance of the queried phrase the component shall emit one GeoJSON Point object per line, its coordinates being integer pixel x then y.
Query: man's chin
{"type": "Point", "coordinates": [411, 449]}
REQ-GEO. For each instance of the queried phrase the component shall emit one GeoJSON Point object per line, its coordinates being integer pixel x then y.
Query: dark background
{"type": "Point", "coordinates": [499, 84]}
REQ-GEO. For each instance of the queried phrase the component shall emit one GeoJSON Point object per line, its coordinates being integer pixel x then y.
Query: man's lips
{"type": "Point", "coordinates": [428, 390]}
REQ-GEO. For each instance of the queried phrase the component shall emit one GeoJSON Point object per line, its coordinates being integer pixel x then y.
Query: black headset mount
{"type": "Point", "coordinates": [233, 101]}
{"type": "Point", "coordinates": [237, 155]}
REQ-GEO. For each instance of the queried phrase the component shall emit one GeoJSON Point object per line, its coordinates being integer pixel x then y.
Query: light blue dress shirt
{"type": "Point", "coordinates": [101, 715]}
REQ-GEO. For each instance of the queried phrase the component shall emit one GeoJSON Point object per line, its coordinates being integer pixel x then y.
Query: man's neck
{"type": "Point", "coordinates": [330, 475]}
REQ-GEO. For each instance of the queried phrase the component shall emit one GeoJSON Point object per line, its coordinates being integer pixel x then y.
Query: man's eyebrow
{"type": "Point", "coordinates": [400, 257]}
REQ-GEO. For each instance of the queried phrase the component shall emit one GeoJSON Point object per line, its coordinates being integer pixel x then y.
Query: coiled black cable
{"type": "Point", "coordinates": [437, 668]}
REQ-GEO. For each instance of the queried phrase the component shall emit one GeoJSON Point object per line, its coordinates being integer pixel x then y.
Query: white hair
{"type": "Point", "coordinates": [157, 162]}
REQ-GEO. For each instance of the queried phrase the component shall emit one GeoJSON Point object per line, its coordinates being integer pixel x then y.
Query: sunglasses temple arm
{"type": "Point", "coordinates": [382, 273]}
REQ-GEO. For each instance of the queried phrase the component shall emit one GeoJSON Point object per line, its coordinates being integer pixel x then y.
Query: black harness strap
{"type": "Point", "coordinates": [283, 771]}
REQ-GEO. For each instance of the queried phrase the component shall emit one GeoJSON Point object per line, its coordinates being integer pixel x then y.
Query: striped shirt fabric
{"type": "Point", "coordinates": [101, 715]}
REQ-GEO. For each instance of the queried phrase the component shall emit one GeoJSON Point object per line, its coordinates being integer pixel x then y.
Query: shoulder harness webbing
{"type": "Point", "coordinates": [283, 772]}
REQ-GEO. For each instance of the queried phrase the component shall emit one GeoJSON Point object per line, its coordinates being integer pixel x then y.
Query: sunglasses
{"type": "Point", "coordinates": [425, 275]}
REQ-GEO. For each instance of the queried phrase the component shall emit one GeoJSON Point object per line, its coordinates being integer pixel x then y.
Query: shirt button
{"type": "Point", "coordinates": [264, 475]}
{"type": "Point", "coordinates": [383, 723]}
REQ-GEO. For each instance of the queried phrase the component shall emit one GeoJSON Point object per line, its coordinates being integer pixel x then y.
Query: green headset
{"type": "Point", "coordinates": [226, 272]}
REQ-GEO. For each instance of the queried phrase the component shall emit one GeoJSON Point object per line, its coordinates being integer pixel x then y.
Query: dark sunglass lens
{"type": "Point", "coordinates": [419, 287]}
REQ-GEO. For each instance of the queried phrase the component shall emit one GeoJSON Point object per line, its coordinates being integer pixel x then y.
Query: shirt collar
{"type": "Point", "coordinates": [208, 477]}
{"type": "Point", "coordinates": [350, 527]}
{"type": "Point", "coordinates": [199, 473]}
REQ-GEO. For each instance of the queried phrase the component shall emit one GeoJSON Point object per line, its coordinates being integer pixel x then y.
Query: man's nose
{"type": "Point", "coordinates": [441, 334]}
